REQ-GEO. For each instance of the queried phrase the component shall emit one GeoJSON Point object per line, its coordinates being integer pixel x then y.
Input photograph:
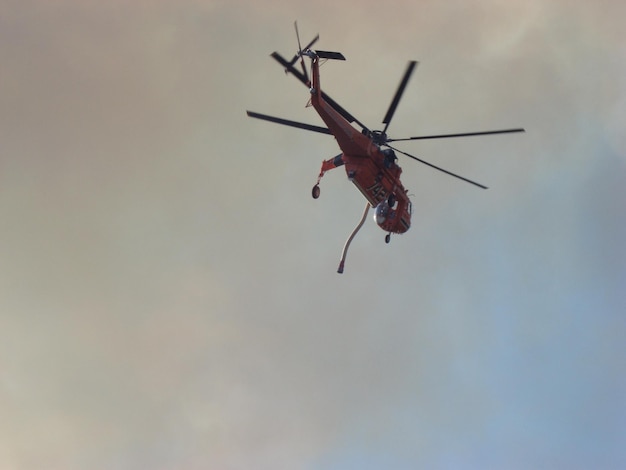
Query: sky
{"type": "Point", "coordinates": [168, 288]}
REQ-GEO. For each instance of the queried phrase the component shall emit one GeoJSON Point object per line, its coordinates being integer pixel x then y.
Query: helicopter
{"type": "Point", "coordinates": [370, 161]}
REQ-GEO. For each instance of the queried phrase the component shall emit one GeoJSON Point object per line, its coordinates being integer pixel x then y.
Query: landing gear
{"type": "Point", "coordinates": [391, 200]}
{"type": "Point", "coordinates": [315, 192]}
{"type": "Point", "coordinates": [387, 238]}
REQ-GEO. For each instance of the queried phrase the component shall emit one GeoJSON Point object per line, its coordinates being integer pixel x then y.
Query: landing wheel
{"type": "Point", "coordinates": [387, 238]}
{"type": "Point", "coordinates": [391, 200]}
{"type": "Point", "coordinates": [315, 192]}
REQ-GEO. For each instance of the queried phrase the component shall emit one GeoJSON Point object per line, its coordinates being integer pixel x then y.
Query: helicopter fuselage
{"type": "Point", "coordinates": [373, 171]}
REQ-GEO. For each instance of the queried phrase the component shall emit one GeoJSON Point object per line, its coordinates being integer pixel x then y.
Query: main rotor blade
{"type": "Point", "coordinates": [399, 92]}
{"type": "Point", "coordinates": [440, 169]}
{"type": "Point", "coordinates": [289, 67]}
{"type": "Point", "coordinates": [295, 72]}
{"type": "Point", "coordinates": [466, 134]}
{"type": "Point", "coordinates": [286, 122]}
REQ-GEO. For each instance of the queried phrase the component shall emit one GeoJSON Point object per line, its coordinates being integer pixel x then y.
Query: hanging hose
{"type": "Point", "coordinates": [349, 240]}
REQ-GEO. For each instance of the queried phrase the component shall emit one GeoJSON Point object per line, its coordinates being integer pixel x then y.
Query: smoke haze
{"type": "Point", "coordinates": [168, 295]}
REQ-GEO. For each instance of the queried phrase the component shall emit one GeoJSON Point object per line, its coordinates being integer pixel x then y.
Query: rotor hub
{"type": "Point", "coordinates": [379, 137]}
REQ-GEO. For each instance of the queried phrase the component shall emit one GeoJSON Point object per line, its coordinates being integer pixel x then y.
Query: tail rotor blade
{"type": "Point", "coordinates": [308, 46]}
{"type": "Point", "coordinates": [295, 24]}
{"type": "Point", "coordinates": [300, 50]}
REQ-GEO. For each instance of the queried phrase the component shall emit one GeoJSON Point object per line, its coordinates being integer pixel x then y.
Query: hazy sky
{"type": "Point", "coordinates": [168, 294]}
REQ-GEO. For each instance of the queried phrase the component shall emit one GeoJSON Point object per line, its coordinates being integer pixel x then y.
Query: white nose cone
{"type": "Point", "coordinates": [381, 213]}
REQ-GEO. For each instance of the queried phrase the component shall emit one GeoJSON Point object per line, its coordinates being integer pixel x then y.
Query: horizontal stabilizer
{"type": "Point", "coordinates": [330, 55]}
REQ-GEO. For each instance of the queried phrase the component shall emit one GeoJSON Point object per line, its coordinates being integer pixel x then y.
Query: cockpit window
{"type": "Point", "coordinates": [390, 157]}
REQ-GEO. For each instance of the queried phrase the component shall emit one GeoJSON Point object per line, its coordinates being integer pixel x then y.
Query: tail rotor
{"type": "Point", "coordinates": [301, 51]}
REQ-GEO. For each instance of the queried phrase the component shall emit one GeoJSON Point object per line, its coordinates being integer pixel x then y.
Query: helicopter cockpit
{"type": "Point", "coordinates": [390, 158]}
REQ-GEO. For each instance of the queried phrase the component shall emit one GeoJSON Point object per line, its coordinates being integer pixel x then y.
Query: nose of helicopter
{"type": "Point", "coordinates": [382, 212]}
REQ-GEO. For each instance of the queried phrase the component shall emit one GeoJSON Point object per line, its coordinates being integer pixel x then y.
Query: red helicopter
{"type": "Point", "coordinates": [369, 160]}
